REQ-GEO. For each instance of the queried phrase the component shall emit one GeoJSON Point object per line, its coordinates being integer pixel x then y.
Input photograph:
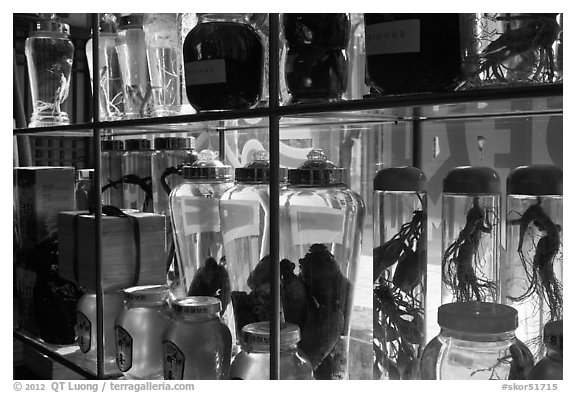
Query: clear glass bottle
{"type": "Point", "coordinates": [164, 54]}
{"type": "Point", "coordinates": [139, 329]}
{"type": "Point", "coordinates": [194, 211]}
{"type": "Point", "coordinates": [131, 49]}
{"type": "Point", "coordinates": [316, 67]}
{"type": "Point", "coordinates": [532, 274]}
{"type": "Point", "coordinates": [501, 49]}
{"type": "Point", "coordinates": [399, 272]}
{"type": "Point", "coordinates": [137, 175]}
{"type": "Point", "coordinates": [253, 362]}
{"type": "Point", "coordinates": [111, 178]}
{"type": "Point", "coordinates": [550, 366]}
{"type": "Point", "coordinates": [196, 345]}
{"type": "Point", "coordinates": [223, 63]}
{"type": "Point", "coordinates": [111, 96]}
{"type": "Point", "coordinates": [84, 190]}
{"type": "Point", "coordinates": [49, 55]}
{"type": "Point", "coordinates": [476, 341]}
{"type": "Point", "coordinates": [471, 235]}
{"type": "Point", "coordinates": [321, 223]}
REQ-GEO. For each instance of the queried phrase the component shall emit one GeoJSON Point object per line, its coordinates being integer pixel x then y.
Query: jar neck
{"type": "Point", "coordinates": [197, 317]}
{"type": "Point", "coordinates": [236, 18]}
{"type": "Point", "coordinates": [478, 337]}
{"type": "Point", "coordinates": [284, 349]}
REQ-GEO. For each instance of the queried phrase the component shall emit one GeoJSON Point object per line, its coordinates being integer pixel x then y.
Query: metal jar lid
{"type": "Point", "coordinates": [258, 170]}
{"type": "Point", "coordinates": [207, 168]}
{"type": "Point", "coordinates": [131, 21]}
{"type": "Point", "coordinates": [50, 22]}
{"type": "Point", "coordinates": [535, 180]}
{"type": "Point", "coordinates": [478, 317]}
{"type": "Point", "coordinates": [112, 145]}
{"type": "Point", "coordinates": [137, 144]}
{"type": "Point", "coordinates": [405, 178]}
{"type": "Point", "coordinates": [197, 305]}
{"type": "Point", "coordinates": [171, 143]}
{"type": "Point", "coordinates": [146, 294]}
{"type": "Point", "coordinates": [84, 174]}
{"type": "Point", "coordinates": [316, 171]}
{"type": "Point", "coordinates": [553, 334]}
{"type": "Point", "coordinates": [472, 180]}
{"type": "Point", "coordinates": [256, 336]}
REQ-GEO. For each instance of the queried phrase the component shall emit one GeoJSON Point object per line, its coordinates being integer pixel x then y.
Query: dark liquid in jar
{"type": "Point", "coordinates": [241, 48]}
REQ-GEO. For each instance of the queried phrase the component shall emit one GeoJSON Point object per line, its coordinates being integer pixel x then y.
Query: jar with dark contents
{"type": "Point", "coordinates": [223, 63]}
{"type": "Point", "coordinates": [316, 67]}
{"type": "Point", "coordinates": [550, 366]}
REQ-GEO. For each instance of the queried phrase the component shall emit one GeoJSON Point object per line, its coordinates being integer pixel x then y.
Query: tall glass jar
{"type": "Point", "coordinates": [471, 235]}
{"type": "Point", "coordinates": [550, 366]}
{"type": "Point", "coordinates": [111, 96]}
{"type": "Point", "coordinates": [194, 211]}
{"type": "Point", "coordinates": [49, 55]}
{"type": "Point", "coordinates": [321, 223]}
{"type": "Point", "coordinates": [84, 190]}
{"type": "Point", "coordinates": [196, 345]}
{"type": "Point", "coordinates": [253, 362]}
{"type": "Point", "coordinates": [136, 175]}
{"type": "Point", "coordinates": [223, 63]}
{"type": "Point", "coordinates": [532, 274]}
{"type": "Point", "coordinates": [399, 272]}
{"type": "Point", "coordinates": [476, 341]}
{"type": "Point", "coordinates": [317, 60]}
{"type": "Point", "coordinates": [139, 329]}
{"type": "Point", "coordinates": [111, 178]}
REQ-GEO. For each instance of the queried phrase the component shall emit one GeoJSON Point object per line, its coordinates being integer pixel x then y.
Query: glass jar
{"type": "Point", "coordinates": [532, 274]}
{"type": "Point", "coordinates": [511, 49]}
{"type": "Point", "coordinates": [476, 341]}
{"type": "Point", "coordinates": [550, 366]}
{"type": "Point", "coordinates": [321, 223]}
{"type": "Point", "coordinates": [194, 211]}
{"type": "Point", "coordinates": [223, 63]}
{"type": "Point", "coordinates": [111, 97]}
{"type": "Point", "coordinates": [131, 49]}
{"type": "Point", "coordinates": [316, 67]}
{"type": "Point", "coordinates": [412, 53]}
{"type": "Point", "coordinates": [399, 272]}
{"type": "Point", "coordinates": [470, 235]}
{"type": "Point", "coordinates": [137, 175]}
{"type": "Point", "coordinates": [253, 362]}
{"type": "Point", "coordinates": [196, 345]}
{"type": "Point", "coordinates": [49, 55]}
{"type": "Point", "coordinates": [139, 329]}
{"type": "Point", "coordinates": [111, 178]}
{"type": "Point", "coordinates": [84, 190]}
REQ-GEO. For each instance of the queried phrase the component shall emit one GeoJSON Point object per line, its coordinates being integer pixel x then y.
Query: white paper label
{"type": "Point", "coordinates": [311, 224]}
{"type": "Point", "coordinates": [205, 72]}
{"type": "Point", "coordinates": [401, 36]}
{"type": "Point", "coordinates": [241, 219]}
{"type": "Point", "coordinates": [200, 215]}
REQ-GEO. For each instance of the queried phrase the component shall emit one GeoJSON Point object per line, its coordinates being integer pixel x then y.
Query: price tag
{"type": "Point", "coordinates": [200, 215]}
{"type": "Point", "coordinates": [205, 72]}
{"type": "Point", "coordinates": [401, 36]}
{"type": "Point", "coordinates": [239, 219]}
{"type": "Point", "coordinates": [315, 224]}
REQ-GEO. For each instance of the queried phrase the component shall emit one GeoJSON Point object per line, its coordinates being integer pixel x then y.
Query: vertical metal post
{"type": "Point", "coordinates": [417, 138]}
{"type": "Point", "coordinates": [274, 122]}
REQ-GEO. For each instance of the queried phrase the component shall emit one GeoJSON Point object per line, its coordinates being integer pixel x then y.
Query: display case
{"type": "Point", "coordinates": [499, 127]}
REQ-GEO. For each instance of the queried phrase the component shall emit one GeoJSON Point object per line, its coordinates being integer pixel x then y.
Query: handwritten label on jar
{"type": "Point", "coordinates": [123, 349]}
{"type": "Point", "coordinates": [205, 72]}
{"type": "Point", "coordinates": [315, 224]}
{"type": "Point", "coordinates": [401, 36]}
{"type": "Point", "coordinates": [242, 219]}
{"type": "Point", "coordinates": [84, 331]}
{"type": "Point", "coordinates": [200, 215]}
{"type": "Point", "coordinates": [172, 361]}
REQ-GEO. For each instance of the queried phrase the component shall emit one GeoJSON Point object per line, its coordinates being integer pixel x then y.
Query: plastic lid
{"type": "Point", "coordinates": [478, 317]}
{"type": "Point", "coordinates": [51, 22]}
{"type": "Point", "coordinates": [258, 170]}
{"type": "Point", "coordinates": [171, 143]}
{"type": "Point", "coordinates": [316, 171]}
{"type": "Point", "coordinates": [405, 178]}
{"type": "Point", "coordinates": [535, 180]}
{"type": "Point", "coordinates": [131, 21]}
{"type": "Point", "coordinates": [137, 144]}
{"type": "Point", "coordinates": [84, 174]}
{"type": "Point", "coordinates": [197, 305]}
{"type": "Point", "coordinates": [207, 167]}
{"type": "Point", "coordinates": [112, 145]}
{"type": "Point", "coordinates": [472, 180]}
{"type": "Point", "coordinates": [553, 334]}
{"type": "Point", "coordinates": [256, 336]}
{"type": "Point", "coordinates": [155, 294]}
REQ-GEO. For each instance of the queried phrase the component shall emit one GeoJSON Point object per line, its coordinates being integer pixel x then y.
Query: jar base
{"type": "Point", "coordinates": [49, 120]}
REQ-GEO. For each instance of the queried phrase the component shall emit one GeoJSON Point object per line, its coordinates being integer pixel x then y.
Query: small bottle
{"type": "Point", "coordinates": [84, 190]}
{"type": "Point", "coordinates": [253, 361]}
{"type": "Point", "coordinates": [137, 176]}
{"type": "Point", "coordinates": [111, 178]}
{"type": "Point", "coordinates": [550, 367]}
{"type": "Point", "coordinates": [196, 345]}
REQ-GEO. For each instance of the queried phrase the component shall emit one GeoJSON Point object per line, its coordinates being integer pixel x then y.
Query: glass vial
{"type": "Point", "coordinates": [84, 190]}
{"type": "Point", "coordinates": [111, 178]}
{"type": "Point", "coordinates": [399, 269]}
{"type": "Point", "coordinates": [470, 235]}
{"type": "Point", "coordinates": [550, 366]}
{"type": "Point", "coordinates": [136, 175]}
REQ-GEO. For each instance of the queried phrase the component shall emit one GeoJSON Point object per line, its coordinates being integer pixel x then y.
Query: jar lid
{"type": "Point", "coordinates": [472, 180]}
{"type": "Point", "coordinates": [405, 178]}
{"type": "Point", "coordinates": [553, 334]}
{"type": "Point", "coordinates": [137, 144]}
{"type": "Point", "coordinates": [50, 22]}
{"type": "Point", "coordinates": [197, 305]}
{"type": "Point", "coordinates": [258, 169]}
{"type": "Point", "coordinates": [146, 294]}
{"type": "Point", "coordinates": [171, 143]}
{"type": "Point", "coordinates": [224, 17]}
{"type": "Point", "coordinates": [478, 317]}
{"type": "Point", "coordinates": [131, 21]}
{"type": "Point", "coordinates": [535, 180]}
{"type": "Point", "coordinates": [256, 336]}
{"type": "Point", "coordinates": [112, 145]}
{"type": "Point", "coordinates": [84, 174]}
{"type": "Point", "coordinates": [316, 171]}
{"type": "Point", "coordinates": [207, 167]}
{"type": "Point", "coordinates": [108, 23]}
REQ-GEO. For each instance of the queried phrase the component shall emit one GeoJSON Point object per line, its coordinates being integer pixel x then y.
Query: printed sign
{"type": "Point", "coordinates": [315, 224]}
{"type": "Point", "coordinates": [401, 36]}
{"type": "Point", "coordinates": [205, 72]}
{"type": "Point", "coordinates": [241, 219]}
{"type": "Point", "coordinates": [200, 215]}
{"type": "Point", "coordinates": [84, 331]}
{"type": "Point", "coordinates": [123, 349]}
{"type": "Point", "coordinates": [172, 361]}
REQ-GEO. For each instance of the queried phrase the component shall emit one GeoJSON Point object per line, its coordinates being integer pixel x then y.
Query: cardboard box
{"type": "Point", "coordinates": [118, 249]}
{"type": "Point", "coordinates": [25, 311]}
